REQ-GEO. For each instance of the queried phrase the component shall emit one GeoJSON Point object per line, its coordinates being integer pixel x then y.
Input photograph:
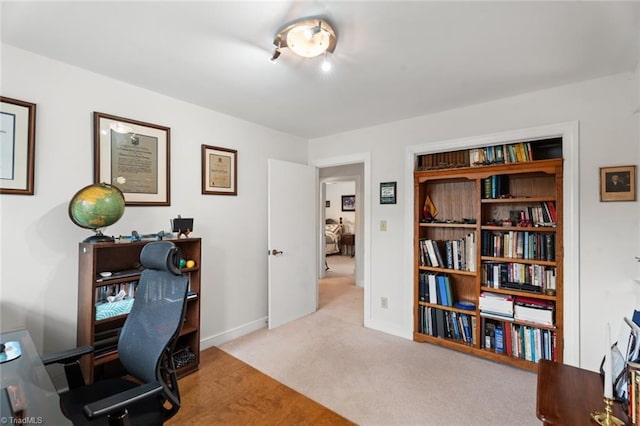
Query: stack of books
{"type": "Point", "coordinates": [498, 306]}
{"type": "Point", "coordinates": [534, 310]}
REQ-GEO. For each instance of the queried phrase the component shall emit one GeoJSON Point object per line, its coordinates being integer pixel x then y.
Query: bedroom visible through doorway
{"type": "Point", "coordinates": [340, 227]}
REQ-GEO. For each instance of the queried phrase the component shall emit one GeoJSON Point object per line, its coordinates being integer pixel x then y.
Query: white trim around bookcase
{"type": "Point", "coordinates": [569, 131]}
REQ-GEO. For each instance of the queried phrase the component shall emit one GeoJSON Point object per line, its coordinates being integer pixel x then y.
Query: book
{"type": "Point", "coordinates": [440, 323]}
{"type": "Point", "coordinates": [534, 310]}
{"type": "Point", "coordinates": [496, 304]}
{"type": "Point", "coordinates": [432, 253]}
{"type": "Point", "coordinates": [499, 339]}
{"type": "Point", "coordinates": [466, 327]}
{"type": "Point", "coordinates": [447, 287]}
{"type": "Point", "coordinates": [489, 335]}
{"type": "Point", "coordinates": [433, 286]}
{"type": "Point", "coordinates": [507, 339]}
{"type": "Point", "coordinates": [438, 253]}
{"type": "Point", "coordinates": [423, 289]}
{"type": "Point", "coordinates": [442, 290]}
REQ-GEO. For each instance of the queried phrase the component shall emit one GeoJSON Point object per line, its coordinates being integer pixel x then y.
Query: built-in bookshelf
{"type": "Point", "coordinates": [488, 251]}
{"type": "Point", "coordinates": [108, 276]}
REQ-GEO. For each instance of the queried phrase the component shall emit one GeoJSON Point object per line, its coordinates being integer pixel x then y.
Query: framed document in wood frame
{"type": "Point", "coordinates": [17, 146]}
{"type": "Point", "coordinates": [219, 171]}
{"type": "Point", "coordinates": [618, 183]}
{"type": "Point", "coordinates": [134, 156]}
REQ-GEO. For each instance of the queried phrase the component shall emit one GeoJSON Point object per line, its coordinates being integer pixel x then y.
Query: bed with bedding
{"type": "Point", "coordinates": [332, 232]}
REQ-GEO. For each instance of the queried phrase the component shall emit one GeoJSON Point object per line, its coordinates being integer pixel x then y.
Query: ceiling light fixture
{"type": "Point", "coordinates": [307, 37]}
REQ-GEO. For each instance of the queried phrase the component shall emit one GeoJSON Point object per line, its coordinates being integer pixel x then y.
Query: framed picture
{"type": "Point", "coordinates": [618, 183]}
{"type": "Point", "coordinates": [133, 156]}
{"type": "Point", "coordinates": [17, 146]}
{"type": "Point", "coordinates": [387, 192]}
{"type": "Point", "coordinates": [219, 170]}
{"type": "Point", "coordinates": [348, 203]}
{"type": "Point", "coordinates": [327, 203]}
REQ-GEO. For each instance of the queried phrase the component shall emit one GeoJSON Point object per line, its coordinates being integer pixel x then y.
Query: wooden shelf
{"type": "Point", "coordinates": [125, 256]}
{"type": "Point", "coordinates": [457, 195]}
{"type": "Point", "coordinates": [448, 225]}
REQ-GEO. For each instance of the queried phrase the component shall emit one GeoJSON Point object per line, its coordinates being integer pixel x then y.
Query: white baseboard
{"type": "Point", "coordinates": [389, 329]}
{"type": "Point", "coordinates": [234, 333]}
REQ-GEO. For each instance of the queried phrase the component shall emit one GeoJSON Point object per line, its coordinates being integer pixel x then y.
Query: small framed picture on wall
{"type": "Point", "coordinates": [618, 183]}
{"type": "Point", "coordinates": [348, 203]}
{"type": "Point", "coordinates": [387, 192]}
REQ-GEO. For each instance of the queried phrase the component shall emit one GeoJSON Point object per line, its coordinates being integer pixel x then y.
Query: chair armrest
{"type": "Point", "coordinates": [66, 357]}
{"type": "Point", "coordinates": [122, 400]}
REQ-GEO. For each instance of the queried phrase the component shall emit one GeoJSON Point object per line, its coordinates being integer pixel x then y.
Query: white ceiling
{"type": "Point", "coordinates": [394, 60]}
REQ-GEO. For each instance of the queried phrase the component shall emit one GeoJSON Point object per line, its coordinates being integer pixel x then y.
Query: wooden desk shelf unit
{"type": "Point", "coordinates": [122, 259]}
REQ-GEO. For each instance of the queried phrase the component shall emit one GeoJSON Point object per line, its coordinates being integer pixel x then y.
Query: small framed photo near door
{"type": "Point", "coordinates": [618, 183]}
{"type": "Point", "coordinates": [387, 192]}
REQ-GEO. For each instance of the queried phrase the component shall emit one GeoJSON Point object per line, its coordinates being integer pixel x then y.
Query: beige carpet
{"type": "Point", "coordinates": [373, 378]}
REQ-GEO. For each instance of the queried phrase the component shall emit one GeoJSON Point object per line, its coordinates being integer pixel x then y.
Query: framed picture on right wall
{"type": "Point", "coordinates": [618, 183]}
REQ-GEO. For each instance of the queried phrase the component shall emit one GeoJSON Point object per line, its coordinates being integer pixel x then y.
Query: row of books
{"type": "Point", "coordinates": [435, 288]}
{"type": "Point", "coordinates": [495, 186]}
{"type": "Point", "coordinates": [519, 245]}
{"type": "Point", "coordinates": [458, 254]}
{"type": "Point", "coordinates": [520, 341]}
{"type": "Point", "coordinates": [519, 152]}
{"type": "Point", "coordinates": [509, 308]}
{"type": "Point", "coordinates": [447, 324]}
{"type": "Point", "coordinates": [518, 276]}
{"type": "Point", "coordinates": [544, 214]}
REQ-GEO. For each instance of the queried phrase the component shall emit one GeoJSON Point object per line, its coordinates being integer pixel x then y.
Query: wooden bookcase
{"type": "Point", "coordinates": [474, 215]}
{"type": "Point", "coordinates": [122, 260]}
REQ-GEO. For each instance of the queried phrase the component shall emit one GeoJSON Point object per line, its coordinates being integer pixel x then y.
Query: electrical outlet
{"type": "Point", "coordinates": [383, 225]}
{"type": "Point", "coordinates": [384, 303]}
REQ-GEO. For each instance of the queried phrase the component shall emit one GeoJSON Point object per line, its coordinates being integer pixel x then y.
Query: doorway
{"type": "Point", "coordinates": [339, 226]}
{"type": "Point", "coordinates": [350, 167]}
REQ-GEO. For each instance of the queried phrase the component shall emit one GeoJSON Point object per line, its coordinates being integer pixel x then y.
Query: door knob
{"type": "Point", "coordinates": [274, 252]}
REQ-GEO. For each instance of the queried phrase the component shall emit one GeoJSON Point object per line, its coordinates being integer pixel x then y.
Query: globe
{"type": "Point", "coordinates": [96, 206]}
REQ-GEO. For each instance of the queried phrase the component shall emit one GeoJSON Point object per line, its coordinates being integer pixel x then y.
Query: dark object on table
{"type": "Point", "coordinates": [145, 346]}
{"type": "Point", "coordinates": [182, 226]}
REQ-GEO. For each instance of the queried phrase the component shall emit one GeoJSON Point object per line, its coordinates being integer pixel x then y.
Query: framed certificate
{"type": "Point", "coordinates": [219, 171]}
{"type": "Point", "coordinates": [134, 157]}
{"type": "Point", "coordinates": [17, 146]}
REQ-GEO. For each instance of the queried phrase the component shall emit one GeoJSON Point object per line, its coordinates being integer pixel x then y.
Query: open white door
{"type": "Point", "coordinates": [293, 286]}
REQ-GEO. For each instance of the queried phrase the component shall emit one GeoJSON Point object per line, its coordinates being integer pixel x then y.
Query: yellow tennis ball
{"type": "Point", "coordinates": [190, 263]}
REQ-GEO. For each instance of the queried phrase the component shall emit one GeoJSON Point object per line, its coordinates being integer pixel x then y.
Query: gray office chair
{"type": "Point", "coordinates": [145, 345]}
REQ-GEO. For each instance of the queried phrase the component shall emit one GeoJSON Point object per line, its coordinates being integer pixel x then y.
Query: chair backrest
{"type": "Point", "coordinates": [155, 320]}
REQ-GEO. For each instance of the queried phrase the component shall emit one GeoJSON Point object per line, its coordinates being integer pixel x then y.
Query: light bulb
{"type": "Point", "coordinates": [326, 65]}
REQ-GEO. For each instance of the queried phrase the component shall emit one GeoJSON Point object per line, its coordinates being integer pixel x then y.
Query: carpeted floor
{"type": "Point", "coordinates": [340, 266]}
{"type": "Point", "coordinates": [374, 378]}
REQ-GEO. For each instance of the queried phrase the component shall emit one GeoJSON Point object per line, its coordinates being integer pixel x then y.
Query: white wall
{"type": "Point", "coordinates": [609, 135]}
{"type": "Point", "coordinates": [334, 194]}
{"type": "Point", "coordinates": [39, 243]}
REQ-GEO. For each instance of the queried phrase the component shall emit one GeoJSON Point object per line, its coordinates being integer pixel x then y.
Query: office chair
{"type": "Point", "coordinates": [149, 394]}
